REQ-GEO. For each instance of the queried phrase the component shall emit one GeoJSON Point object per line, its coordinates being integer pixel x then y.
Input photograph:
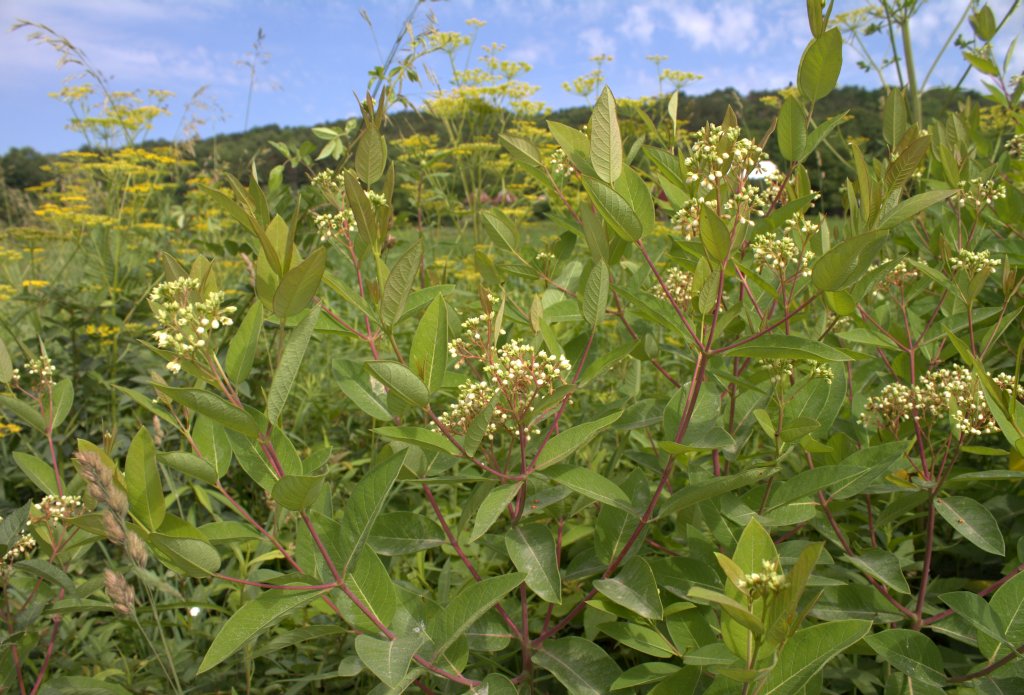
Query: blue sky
{"type": "Point", "coordinates": [320, 51]}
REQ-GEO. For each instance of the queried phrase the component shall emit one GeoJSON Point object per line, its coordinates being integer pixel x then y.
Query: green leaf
{"type": "Point", "coordinates": [491, 508]}
{"type": "Point", "coordinates": [501, 229]}
{"type": "Point", "coordinates": [189, 464]}
{"type": "Point", "coordinates": [214, 407]}
{"type": "Point", "coordinates": [371, 155]}
{"type": "Point", "coordinates": [429, 354]}
{"type": "Point", "coordinates": [38, 471]}
{"type": "Point", "coordinates": [213, 443]}
{"type": "Point", "coordinates": [372, 586]}
{"type": "Point", "coordinates": [404, 533]}
{"type": "Point", "coordinates": [299, 284]}
{"type": "Point", "coordinates": [977, 612]}
{"type": "Point", "coordinates": [46, 571]}
{"type": "Point", "coordinates": [714, 235]}
{"type": "Point", "coordinates": [579, 665]}
{"type": "Point", "coordinates": [567, 442]}
{"type": "Point", "coordinates": [791, 131]}
{"type": "Point", "coordinates": [972, 520]}
{"type": "Point", "coordinates": [188, 555]}
{"type": "Point", "coordinates": [883, 566]}
{"type": "Point", "coordinates": [389, 660]}
{"type": "Point", "coordinates": [252, 619]}
{"type": "Point", "coordinates": [401, 382]}
{"type": "Point", "coordinates": [595, 294]}
{"type": "Point", "coordinates": [478, 426]}
{"type": "Point", "coordinates": [637, 195]}
{"type": "Point", "coordinates": [788, 347]}
{"type": "Point", "coordinates": [615, 210]}
{"type": "Point", "coordinates": [428, 440]}
{"type": "Point", "coordinates": [532, 550]}
{"type": "Point", "coordinates": [695, 493]}
{"type": "Point", "coordinates": [635, 588]}
{"type": "Point", "coordinates": [63, 397]}
{"type": "Point", "coordinates": [590, 484]}
{"type": "Point", "coordinates": [733, 608]}
{"type": "Point", "coordinates": [605, 139]}
{"type": "Point", "coordinates": [288, 367]}
{"type": "Point", "coordinates": [142, 478]}
{"type": "Point", "coordinates": [754, 547]}
{"type": "Point", "coordinates": [6, 368]}
{"type": "Point", "coordinates": [845, 262]}
{"type": "Point", "coordinates": [807, 652]}
{"type": "Point", "coordinates": [364, 400]}
{"type": "Point", "coordinates": [242, 348]}
{"type": "Point", "coordinates": [810, 482]}
{"type": "Point", "coordinates": [399, 284]}
{"type": "Point", "coordinates": [910, 652]}
{"type": "Point", "coordinates": [252, 460]}
{"type": "Point", "coordinates": [644, 674]}
{"type": "Point", "coordinates": [642, 639]}
{"type": "Point", "coordinates": [23, 411]}
{"type": "Point", "coordinates": [911, 207]}
{"type": "Point", "coordinates": [364, 505]}
{"type": "Point", "coordinates": [297, 492]}
{"type": "Point", "coordinates": [894, 117]}
{"type": "Point", "coordinates": [466, 607]}
{"type": "Point", "coordinates": [820, 65]}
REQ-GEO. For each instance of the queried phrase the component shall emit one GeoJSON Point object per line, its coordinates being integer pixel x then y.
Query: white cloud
{"type": "Point", "coordinates": [596, 42]}
{"type": "Point", "coordinates": [638, 24]}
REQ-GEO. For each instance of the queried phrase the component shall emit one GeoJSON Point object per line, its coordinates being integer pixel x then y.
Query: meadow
{"type": "Point", "coordinates": [508, 404]}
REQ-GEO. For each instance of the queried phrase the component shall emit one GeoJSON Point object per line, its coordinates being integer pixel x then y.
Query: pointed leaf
{"type": "Point", "coordinates": [399, 284]}
{"type": "Point", "coordinates": [635, 588]}
{"type": "Point", "coordinates": [809, 650]}
{"type": "Point", "coordinates": [605, 140]}
{"type": "Point", "coordinates": [972, 520]}
{"type": "Point", "coordinates": [568, 441]}
{"type": "Point", "coordinates": [429, 354]}
{"type": "Point", "coordinates": [252, 619]}
{"type": "Point", "coordinates": [590, 484]}
{"type": "Point", "coordinates": [299, 284]}
{"type": "Point", "coordinates": [389, 660]}
{"type": "Point", "coordinates": [466, 607]}
{"type": "Point", "coordinates": [142, 478]}
{"type": "Point", "coordinates": [579, 665]}
{"type": "Point", "coordinates": [532, 550]}
{"type": "Point", "coordinates": [288, 367]}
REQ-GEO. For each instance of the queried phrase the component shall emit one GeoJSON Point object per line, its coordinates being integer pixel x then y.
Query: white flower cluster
{"type": "Point", "coordinates": [41, 370]}
{"type": "Point", "coordinates": [823, 371]}
{"type": "Point", "coordinates": [974, 262]}
{"type": "Point", "coordinates": [799, 223]}
{"type": "Point", "coordinates": [679, 284]}
{"type": "Point", "coordinates": [478, 333]}
{"type": "Point", "coordinates": [330, 226]}
{"type": "Point", "coordinates": [1015, 146]}
{"type": "Point", "coordinates": [23, 546]}
{"type": "Point", "coordinates": [55, 508]}
{"type": "Point", "coordinates": [560, 163]}
{"type": "Point", "coordinates": [776, 254]}
{"type": "Point", "coordinates": [731, 173]}
{"type": "Point", "coordinates": [954, 391]}
{"type": "Point", "coordinates": [188, 320]}
{"type": "Point", "coordinates": [899, 275]}
{"type": "Point", "coordinates": [545, 257]}
{"type": "Point", "coordinates": [784, 369]}
{"type": "Point", "coordinates": [769, 581]}
{"type": "Point", "coordinates": [979, 192]}
{"type": "Point", "coordinates": [517, 378]}
{"type": "Point", "coordinates": [331, 183]}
